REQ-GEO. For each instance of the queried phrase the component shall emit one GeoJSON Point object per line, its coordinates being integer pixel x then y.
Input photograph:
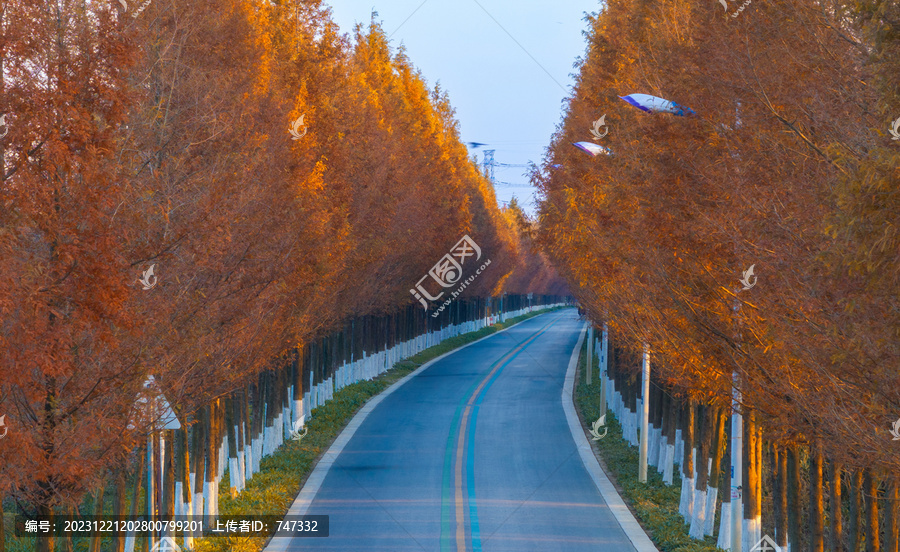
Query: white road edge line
{"type": "Point", "coordinates": [632, 528]}
{"type": "Point", "coordinates": [317, 477]}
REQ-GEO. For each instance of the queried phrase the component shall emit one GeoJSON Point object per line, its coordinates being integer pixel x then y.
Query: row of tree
{"type": "Point", "coordinates": [178, 471]}
{"type": "Point", "coordinates": [189, 190]}
{"type": "Point", "coordinates": [810, 502]}
{"type": "Point", "coordinates": [788, 169]}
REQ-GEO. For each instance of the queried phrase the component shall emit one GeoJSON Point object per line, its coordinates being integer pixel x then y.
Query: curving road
{"type": "Point", "coordinates": [474, 452]}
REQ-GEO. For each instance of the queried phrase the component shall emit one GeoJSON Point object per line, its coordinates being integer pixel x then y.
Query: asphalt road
{"type": "Point", "coordinates": [473, 453]}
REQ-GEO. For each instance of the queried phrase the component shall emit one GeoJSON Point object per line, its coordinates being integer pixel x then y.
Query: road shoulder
{"type": "Point", "coordinates": [623, 515]}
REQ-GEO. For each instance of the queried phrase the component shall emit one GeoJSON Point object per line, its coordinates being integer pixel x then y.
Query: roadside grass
{"type": "Point", "coordinates": [654, 504]}
{"type": "Point", "coordinates": [272, 490]}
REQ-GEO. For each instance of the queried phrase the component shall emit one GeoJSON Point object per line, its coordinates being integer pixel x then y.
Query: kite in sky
{"type": "Point", "coordinates": [592, 149]}
{"type": "Point", "coordinates": [652, 104]}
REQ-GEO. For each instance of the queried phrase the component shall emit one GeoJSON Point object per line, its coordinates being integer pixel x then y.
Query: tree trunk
{"type": "Point", "coordinates": [716, 451]}
{"type": "Point", "coordinates": [45, 544]}
{"type": "Point", "coordinates": [793, 497]}
{"type": "Point", "coordinates": [837, 529]}
{"type": "Point", "coordinates": [239, 404]}
{"type": "Point", "coordinates": [169, 480]}
{"type": "Point", "coordinates": [233, 477]}
{"type": "Point", "coordinates": [750, 481]}
{"type": "Point", "coordinates": [187, 497]}
{"type": "Point", "coordinates": [209, 467]}
{"type": "Point", "coordinates": [45, 495]}
{"type": "Point", "coordinates": [663, 431]}
{"type": "Point", "coordinates": [856, 512]}
{"type": "Point", "coordinates": [724, 538]}
{"type": "Point", "coordinates": [119, 509]}
{"type": "Point", "coordinates": [873, 532]}
{"type": "Point", "coordinates": [781, 497]}
{"type": "Point", "coordinates": [179, 470]}
{"type": "Point", "coordinates": [892, 543]}
{"type": "Point", "coordinates": [686, 505]}
{"type": "Point", "coordinates": [136, 498]}
{"type": "Point", "coordinates": [816, 500]}
{"type": "Point", "coordinates": [67, 542]}
{"type": "Point", "coordinates": [670, 423]}
{"type": "Point", "coordinates": [198, 455]}
{"type": "Point", "coordinates": [698, 517]}
{"type": "Point", "coordinates": [98, 511]}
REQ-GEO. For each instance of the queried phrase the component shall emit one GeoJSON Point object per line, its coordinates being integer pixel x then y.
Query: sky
{"type": "Point", "coordinates": [480, 51]}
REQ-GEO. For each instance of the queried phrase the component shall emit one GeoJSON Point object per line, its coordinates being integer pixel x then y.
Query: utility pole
{"type": "Point", "coordinates": [590, 353]}
{"type": "Point", "coordinates": [604, 358]}
{"type": "Point", "coordinates": [645, 414]}
{"type": "Point", "coordinates": [737, 467]}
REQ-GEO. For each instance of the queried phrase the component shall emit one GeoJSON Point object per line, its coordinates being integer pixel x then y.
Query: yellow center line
{"type": "Point", "coordinates": [461, 443]}
{"type": "Point", "coordinates": [460, 456]}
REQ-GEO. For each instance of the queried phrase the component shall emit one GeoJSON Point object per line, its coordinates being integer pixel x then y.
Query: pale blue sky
{"type": "Point", "coordinates": [502, 97]}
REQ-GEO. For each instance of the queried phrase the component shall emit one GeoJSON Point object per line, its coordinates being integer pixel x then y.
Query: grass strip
{"type": "Point", "coordinates": [282, 474]}
{"type": "Point", "coordinates": [654, 504]}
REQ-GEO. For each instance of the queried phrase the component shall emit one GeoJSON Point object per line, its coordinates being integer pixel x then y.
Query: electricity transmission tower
{"type": "Point", "coordinates": [489, 164]}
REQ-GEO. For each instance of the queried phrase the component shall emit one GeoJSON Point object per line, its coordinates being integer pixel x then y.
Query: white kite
{"type": "Point", "coordinates": [652, 104]}
{"type": "Point", "coordinates": [592, 149]}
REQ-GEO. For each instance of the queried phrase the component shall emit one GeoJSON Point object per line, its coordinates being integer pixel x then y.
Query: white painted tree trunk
{"type": "Point", "coordinates": [207, 499]}
{"type": "Point", "coordinates": [698, 515]}
{"type": "Point", "coordinates": [258, 451]}
{"type": "Point", "coordinates": [223, 453]}
{"type": "Point", "coordinates": [661, 445]}
{"type": "Point", "coordinates": [214, 498]}
{"type": "Point", "coordinates": [712, 494]}
{"type": "Point", "coordinates": [198, 502]}
{"type": "Point", "coordinates": [752, 532]}
{"type": "Point", "coordinates": [669, 466]}
{"type": "Point", "coordinates": [686, 504]}
{"type": "Point", "coordinates": [724, 541]}
{"type": "Point", "coordinates": [653, 451]}
{"type": "Point", "coordinates": [248, 458]}
{"type": "Point", "coordinates": [189, 511]}
{"type": "Point", "coordinates": [178, 503]}
{"type": "Point", "coordinates": [679, 448]}
{"type": "Point", "coordinates": [234, 474]}
{"type": "Point", "coordinates": [241, 456]}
